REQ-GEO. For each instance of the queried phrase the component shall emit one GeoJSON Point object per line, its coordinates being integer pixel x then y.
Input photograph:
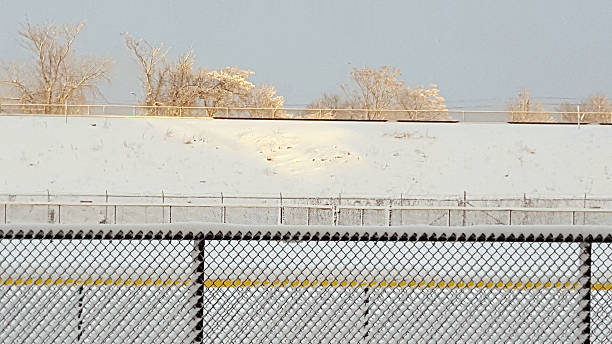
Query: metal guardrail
{"type": "Point", "coordinates": [205, 283]}
{"type": "Point", "coordinates": [294, 113]}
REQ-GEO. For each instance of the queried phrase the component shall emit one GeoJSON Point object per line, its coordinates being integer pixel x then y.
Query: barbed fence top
{"type": "Point", "coordinates": [287, 232]}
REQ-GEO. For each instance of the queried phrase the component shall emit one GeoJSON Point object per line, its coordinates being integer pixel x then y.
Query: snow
{"type": "Point", "coordinates": [201, 156]}
{"type": "Point", "coordinates": [205, 156]}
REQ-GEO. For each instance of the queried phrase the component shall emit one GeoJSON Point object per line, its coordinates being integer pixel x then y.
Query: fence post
{"type": "Point", "coordinates": [281, 208]}
{"type": "Point", "coordinates": [585, 268]}
{"type": "Point", "coordinates": [464, 215]}
{"type": "Point", "coordinates": [106, 207]}
{"type": "Point", "coordinates": [366, 313]}
{"type": "Point", "coordinates": [401, 211]}
{"type": "Point", "coordinates": [198, 318]}
{"type": "Point", "coordinates": [390, 213]}
{"type": "Point", "coordinates": [80, 305]}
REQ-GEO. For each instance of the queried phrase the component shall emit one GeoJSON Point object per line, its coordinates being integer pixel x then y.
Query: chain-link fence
{"type": "Point", "coordinates": [205, 283]}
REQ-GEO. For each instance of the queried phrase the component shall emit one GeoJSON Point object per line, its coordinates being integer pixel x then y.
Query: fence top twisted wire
{"type": "Point", "coordinates": [218, 231]}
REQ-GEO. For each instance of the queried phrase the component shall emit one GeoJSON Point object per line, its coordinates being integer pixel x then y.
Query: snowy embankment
{"type": "Point", "coordinates": [203, 156]}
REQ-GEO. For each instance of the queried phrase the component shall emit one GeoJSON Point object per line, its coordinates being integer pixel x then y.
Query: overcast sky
{"type": "Point", "coordinates": [479, 53]}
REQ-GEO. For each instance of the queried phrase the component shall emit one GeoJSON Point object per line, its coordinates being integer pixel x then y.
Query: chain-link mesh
{"type": "Point", "coordinates": [274, 284]}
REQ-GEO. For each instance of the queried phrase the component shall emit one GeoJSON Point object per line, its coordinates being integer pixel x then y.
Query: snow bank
{"type": "Point", "coordinates": [203, 156]}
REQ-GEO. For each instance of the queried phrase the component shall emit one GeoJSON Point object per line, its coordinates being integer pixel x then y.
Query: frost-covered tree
{"type": "Point", "coordinates": [523, 108]}
{"type": "Point", "coordinates": [226, 87]}
{"type": "Point", "coordinates": [422, 103]}
{"type": "Point", "coordinates": [182, 84]}
{"type": "Point", "coordinates": [265, 102]}
{"type": "Point", "coordinates": [56, 74]}
{"type": "Point", "coordinates": [595, 109]}
{"type": "Point", "coordinates": [373, 91]}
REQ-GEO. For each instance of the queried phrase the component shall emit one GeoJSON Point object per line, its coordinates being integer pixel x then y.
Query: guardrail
{"type": "Point", "coordinates": [449, 115]}
{"type": "Point", "coordinates": [206, 283]}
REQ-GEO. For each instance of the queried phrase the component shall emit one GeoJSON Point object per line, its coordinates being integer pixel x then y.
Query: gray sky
{"type": "Point", "coordinates": [480, 53]}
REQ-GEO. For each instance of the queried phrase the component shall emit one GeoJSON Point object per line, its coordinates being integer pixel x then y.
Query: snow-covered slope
{"type": "Point", "coordinates": [201, 156]}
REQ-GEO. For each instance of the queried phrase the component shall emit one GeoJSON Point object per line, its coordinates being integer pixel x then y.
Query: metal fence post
{"type": "Point", "coordinates": [280, 213]}
{"type": "Point", "coordinates": [585, 267]}
{"type": "Point", "coordinates": [198, 318]}
{"type": "Point", "coordinates": [366, 313]}
{"type": "Point", "coordinates": [80, 305]}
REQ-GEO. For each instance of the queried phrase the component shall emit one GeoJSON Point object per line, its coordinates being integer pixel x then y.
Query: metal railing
{"type": "Point", "coordinates": [341, 209]}
{"type": "Point", "coordinates": [294, 113]}
{"type": "Point", "coordinates": [305, 214]}
{"type": "Point", "coordinates": [205, 283]}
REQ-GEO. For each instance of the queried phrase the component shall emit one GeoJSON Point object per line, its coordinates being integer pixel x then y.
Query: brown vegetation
{"type": "Point", "coordinates": [57, 75]}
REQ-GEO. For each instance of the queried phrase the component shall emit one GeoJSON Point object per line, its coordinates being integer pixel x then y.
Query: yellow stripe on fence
{"type": "Point", "coordinates": [237, 283]}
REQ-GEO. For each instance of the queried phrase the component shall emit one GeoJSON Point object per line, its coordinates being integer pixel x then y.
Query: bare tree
{"type": "Point", "coordinates": [181, 84]}
{"type": "Point", "coordinates": [153, 67]}
{"type": "Point", "coordinates": [330, 106]}
{"type": "Point", "coordinates": [265, 102]}
{"type": "Point", "coordinates": [57, 75]}
{"type": "Point", "coordinates": [524, 108]}
{"type": "Point", "coordinates": [595, 109]}
{"type": "Point", "coordinates": [422, 103]}
{"type": "Point", "coordinates": [376, 89]}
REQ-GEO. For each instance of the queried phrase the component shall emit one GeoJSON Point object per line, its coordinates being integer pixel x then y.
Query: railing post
{"type": "Point", "coordinates": [335, 215]}
{"type": "Point", "coordinates": [585, 268]}
{"type": "Point", "coordinates": [198, 307]}
{"type": "Point", "coordinates": [390, 213]}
